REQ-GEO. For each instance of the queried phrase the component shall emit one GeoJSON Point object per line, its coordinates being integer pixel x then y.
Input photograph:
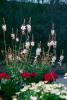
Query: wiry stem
{"type": "Point", "coordinates": [20, 42]}
{"type": "Point", "coordinates": [4, 43]}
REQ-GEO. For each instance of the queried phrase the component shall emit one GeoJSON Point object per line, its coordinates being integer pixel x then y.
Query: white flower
{"type": "Point", "coordinates": [57, 93]}
{"type": "Point", "coordinates": [48, 44]}
{"type": "Point", "coordinates": [18, 58]}
{"type": "Point", "coordinates": [65, 77]}
{"type": "Point", "coordinates": [53, 59]}
{"type": "Point", "coordinates": [23, 27]}
{"type": "Point", "coordinates": [55, 44]}
{"type": "Point", "coordinates": [25, 88]}
{"type": "Point", "coordinates": [32, 43]}
{"type": "Point", "coordinates": [52, 43]}
{"type": "Point", "coordinates": [13, 36]}
{"type": "Point", "coordinates": [52, 32]}
{"type": "Point", "coordinates": [57, 89]}
{"type": "Point", "coordinates": [17, 39]}
{"type": "Point", "coordinates": [27, 45]}
{"type": "Point", "coordinates": [60, 85]}
{"type": "Point", "coordinates": [17, 93]}
{"type": "Point", "coordinates": [38, 51]}
{"type": "Point", "coordinates": [63, 97]}
{"type": "Point", "coordinates": [65, 88]}
{"type": "Point", "coordinates": [10, 56]}
{"type": "Point", "coordinates": [61, 58]}
{"type": "Point", "coordinates": [21, 71]}
{"type": "Point", "coordinates": [65, 74]}
{"type": "Point", "coordinates": [40, 97]}
{"type": "Point", "coordinates": [14, 98]}
{"type": "Point", "coordinates": [63, 92]}
{"type": "Point", "coordinates": [4, 27]}
{"type": "Point", "coordinates": [3, 80]}
{"type": "Point", "coordinates": [28, 28]}
{"type": "Point", "coordinates": [45, 82]}
{"type": "Point", "coordinates": [33, 97]}
{"type": "Point", "coordinates": [37, 90]}
{"type": "Point", "coordinates": [33, 84]}
{"type": "Point", "coordinates": [24, 51]}
{"type": "Point", "coordinates": [41, 83]}
{"type": "Point", "coordinates": [35, 59]}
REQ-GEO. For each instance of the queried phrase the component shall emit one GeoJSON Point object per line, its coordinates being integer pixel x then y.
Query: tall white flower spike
{"type": "Point", "coordinates": [25, 51]}
{"type": "Point", "coordinates": [29, 25]}
{"type": "Point", "coordinates": [61, 58]}
{"type": "Point", "coordinates": [65, 76]}
{"type": "Point", "coordinates": [12, 34]}
{"type": "Point", "coordinates": [32, 42]}
{"type": "Point", "coordinates": [23, 27]}
{"type": "Point", "coordinates": [38, 50]}
{"type": "Point", "coordinates": [4, 28]}
{"type": "Point", "coordinates": [27, 45]}
{"type": "Point", "coordinates": [17, 39]}
{"type": "Point", "coordinates": [53, 59]}
{"type": "Point", "coordinates": [53, 30]}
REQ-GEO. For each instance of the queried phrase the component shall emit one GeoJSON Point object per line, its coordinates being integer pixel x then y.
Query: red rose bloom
{"type": "Point", "coordinates": [7, 77]}
{"type": "Point", "coordinates": [4, 75]}
{"type": "Point", "coordinates": [33, 74]}
{"type": "Point", "coordinates": [50, 76]}
{"type": "Point", "coordinates": [25, 75]}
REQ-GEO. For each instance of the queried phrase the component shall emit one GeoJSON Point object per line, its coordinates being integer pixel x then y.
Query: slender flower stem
{"type": "Point", "coordinates": [12, 51]}
{"type": "Point", "coordinates": [20, 42]}
{"type": "Point", "coordinates": [4, 43]}
{"type": "Point", "coordinates": [15, 50]}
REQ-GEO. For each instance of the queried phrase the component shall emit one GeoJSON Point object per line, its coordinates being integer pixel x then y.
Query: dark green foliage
{"type": "Point", "coordinates": [45, 96]}
{"type": "Point", "coordinates": [39, 69]}
{"type": "Point", "coordinates": [1, 1]}
{"type": "Point", "coordinates": [50, 97]}
{"type": "Point", "coordinates": [8, 89]}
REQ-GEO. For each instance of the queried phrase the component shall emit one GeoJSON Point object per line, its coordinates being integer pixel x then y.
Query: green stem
{"type": "Point", "coordinates": [4, 43]}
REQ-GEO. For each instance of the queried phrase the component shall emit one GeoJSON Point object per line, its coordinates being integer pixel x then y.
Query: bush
{"type": "Point", "coordinates": [42, 91]}
{"type": "Point", "coordinates": [8, 89]}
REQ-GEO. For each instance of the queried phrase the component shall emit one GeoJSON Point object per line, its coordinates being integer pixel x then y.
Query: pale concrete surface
{"type": "Point", "coordinates": [62, 80]}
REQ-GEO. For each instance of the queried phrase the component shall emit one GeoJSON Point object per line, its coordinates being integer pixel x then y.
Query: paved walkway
{"type": "Point", "coordinates": [62, 80]}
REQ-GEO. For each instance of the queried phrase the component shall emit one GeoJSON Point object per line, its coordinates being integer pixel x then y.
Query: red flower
{"type": "Point", "coordinates": [28, 75]}
{"type": "Point", "coordinates": [25, 75]}
{"type": "Point", "coordinates": [50, 76]}
{"type": "Point", "coordinates": [55, 75]}
{"type": "Point", "coordinates": [33, 74]}
{"type": "Point", "coordinates": [4, 75]}
{"type": "Point", "coordinates": [7, 77]}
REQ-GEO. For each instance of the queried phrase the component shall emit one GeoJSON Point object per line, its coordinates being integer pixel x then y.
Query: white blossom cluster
{"type": "Point", "coordinates": [26, 30]}
{"type": "Point", "coordinates": [65, 76]}
{"type": "Point", "coordinates": [26, 27]}
{"type": "Point", "coordinates": [61, 59]}
{"type": "Point", "coordinates": [57, 89]}
{"type": "Point", "coordinates": [53, 60]}
{"type": "Point", "coordinates": [52, 43]}
{"type": "Point", "coordinates": [4, 28]}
